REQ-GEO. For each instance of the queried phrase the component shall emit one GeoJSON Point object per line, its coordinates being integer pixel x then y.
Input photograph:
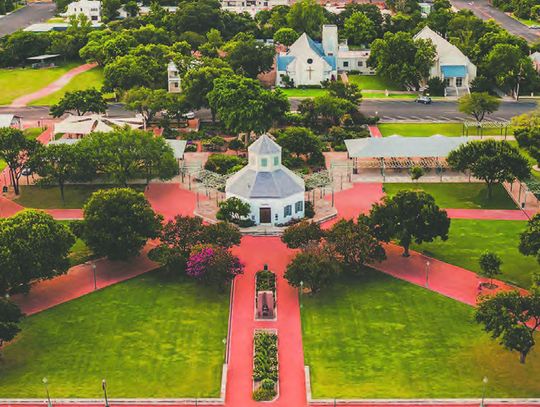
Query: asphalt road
{"type": "Point", "coordinates": [482, 9]}
{"type": "Point", "coordinates": [387, 110]}
{"type": "Point", "coordinates": [23, 17]}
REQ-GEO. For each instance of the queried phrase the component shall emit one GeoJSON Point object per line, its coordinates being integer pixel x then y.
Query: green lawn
{"type": "Point", "coordinates": [373, 82]}
{"type": "Point", "coordinates": [525, 21]}
{"type": "Point", "coordinates": [2, 164]}
{"type": "Point", "coordinates": [459, 195]}
{"type": "Point", "coordinates": [379, 337]}
{"type": "Point", "coordinates": [304, 93]}
{"type": "Point", "coordinates": [33, 133]}
{"type": "Point", "coordinates": [80, 252]}
{"type": "Point", "coordinates": [469, 238]}
{"type": "Point", "coordinates": [21, 81]}
{"type": "Point", "coordinates": [89, 79]}
{"type": "Point", "coordinates": [149, 337]}
{"type": "Point", "coordinates": [48, 197]}
{"type": "Point", "coordinates": [429, 129]}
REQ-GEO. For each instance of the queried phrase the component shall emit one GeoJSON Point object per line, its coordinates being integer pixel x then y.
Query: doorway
{"type": "Point", "coordinates": [265, 215]}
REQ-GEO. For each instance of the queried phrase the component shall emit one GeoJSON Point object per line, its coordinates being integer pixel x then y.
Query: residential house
{"type": "Point", "coordinates": [451, 65]}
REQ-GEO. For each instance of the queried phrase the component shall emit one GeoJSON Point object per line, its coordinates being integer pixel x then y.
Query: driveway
{"type": "Point", "coordinates": [484, 10]}
{"type": "Point", "coordinates": [22, 18]}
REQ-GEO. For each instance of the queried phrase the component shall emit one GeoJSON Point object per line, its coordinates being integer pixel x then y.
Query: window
{"type": "Point", "coordinates": [276, 160]}
{"type": "Point", "coordinates": [298, 206]}
{"type": "Point", "coordinates": [264, 162]}
{"type": "Point", "coordinates": [446, 81]}
{"type": "Point", "coordinates": [459, 82]}
{"type": "Point", "coordinates": [360, 63]}
{"type": "Point", "coordinates": [345, 64]}
{"type": "Point", "coordinates": [309, 61]}
{"type": "Point", "coordinates": [287, 211]}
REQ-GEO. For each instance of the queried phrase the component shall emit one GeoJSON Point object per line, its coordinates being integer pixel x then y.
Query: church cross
{"type": "Point", "coordinates": [309, 70]}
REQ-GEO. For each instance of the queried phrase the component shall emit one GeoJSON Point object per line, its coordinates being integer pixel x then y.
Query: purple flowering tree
{"type": "Point", "coordinates": [213, 265]}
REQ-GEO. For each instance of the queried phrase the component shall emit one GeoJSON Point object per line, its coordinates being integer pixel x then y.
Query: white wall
{"type": "Point", "coordinates": [277, 207]}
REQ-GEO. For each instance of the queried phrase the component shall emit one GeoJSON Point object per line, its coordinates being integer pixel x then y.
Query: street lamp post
{"type": "Point", "coordinates": [45, 381]}
{"type": "Point", "coordinates": [427, 273]}
{"type": "Point", "coordinates": [94, 271]}
{"type": "Point", "coordinates": [301, 292]}
{"type": "Point", "coordinates": [485, 381]}
{"type": "Point", "coordinates": [104, 387]}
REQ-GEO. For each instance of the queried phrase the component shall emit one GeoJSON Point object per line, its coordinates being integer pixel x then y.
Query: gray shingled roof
{"type": "Point", "coordinates": [397, 146]}
{"type": "Point", "coordinates": [264, 145]}
{"type": "Point", "coordinates": [249, 183]}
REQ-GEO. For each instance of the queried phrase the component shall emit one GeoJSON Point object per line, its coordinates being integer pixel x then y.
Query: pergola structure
{"type": "Point", "coordinates": [397, 152]}
{"type": "Point", "coordinates": [478, 127]}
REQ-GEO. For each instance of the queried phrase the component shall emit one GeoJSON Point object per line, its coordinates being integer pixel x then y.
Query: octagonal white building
{"type": "Point", "coordinates": [275, 193]}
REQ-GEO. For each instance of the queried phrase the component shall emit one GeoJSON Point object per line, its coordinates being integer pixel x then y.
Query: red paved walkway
{"type": "Point", "coordinates": [374, 131]}
{"type": "Point", "coordinates": [52, 87]}
{"type": "Point", "coordinates": [80, 281]}
{"type": "Point", "coordinates": [170, 199]}
{"type": "Point", "coordinates": [291, 359]}
{"type": "Point", "coordinates": [446, 279]}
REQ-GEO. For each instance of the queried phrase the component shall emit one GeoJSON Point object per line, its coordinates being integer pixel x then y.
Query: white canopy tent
{"type": "Point", "coordinates": [83, 125]}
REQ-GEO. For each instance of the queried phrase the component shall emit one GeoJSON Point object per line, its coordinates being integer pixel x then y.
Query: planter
{"type": "Point", "coordinates": [265, 283]}
{"type": "Point", "coordinates": [265, 365]}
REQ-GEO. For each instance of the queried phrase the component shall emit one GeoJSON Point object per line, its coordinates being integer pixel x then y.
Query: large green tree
{"type": "Point", "coordinates": [57, 164]}
{"type": "Point", "coordinates": [243, 105]}
{"type": "Point", "coordinates": [286, 36]}
{"type": "Point", "coordinates": [409, 216]}
{"type": "Point", "coordinates": [355, 242]}
{"type": "Point", "coordinates": [359, 29]}
{"type": "Point", "coordinates": [125, 154]}
{"type": "Point", "coordinates": [512, 318]}
{"type": "Point", "coordinates": [315, 267]}
{"type": "Point", "coordinates": [249, 57]}
{"type": "Point", "coordinates": [118, 222]}
{"type": "Point", "coordinates": [400, 58]}
{"type": "Point", "coordinates": [198, 82]}
{"type": "Point", "coordinates": [302, 234]}
{"type": "Point", "coordinates": [16, 150]}
{"type": "Point", "coordinates": [147, 102]}
{"type": "Point", "coordinates": [529, 242]}
{"type": "Point", "coordinates": [299, 141]}
{"type": "Point", "coordinates": [528, 138]}
{"type": "Point", "coordinates": [491, 161]}
{"type": "Point", "coordinates": [306, 16]}
{"type": "Point", "coordinates": [80, 102]}
{"type": "Point", "coordinates": [478, 105]}
{"type": "Point", "coordinates": [33, 246]}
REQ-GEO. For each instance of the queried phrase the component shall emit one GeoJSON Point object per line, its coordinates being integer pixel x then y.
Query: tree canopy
{"type": "Point", "coordinates": [243, 105]}
{"type": "Point", "coordinates": [491, 161]}
{"type": "Point", "coordinates": [33, 246]}
{"type": "Point", "coordinates": [400, 58]}
{"type": "Point", "coordinates": [118, 222]}
{"type": "Point", "coordinates": [409, 216]}
{"type": "Point", "coordinates": [529, 242]}
{"type": "Point", "coordinates": [80, 102]}
{"type": "Point", "coordinates": [478, 104]}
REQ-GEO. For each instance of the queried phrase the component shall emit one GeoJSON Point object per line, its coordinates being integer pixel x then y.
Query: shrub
{"type": "Point", "coordinates": [266, 281]}
{"type": "Point", "coordinates": [263, 394]}
{"type": "Point", "coordinates": [309, 210]}
{"type": "Point", "coordinates": [213, 265]}
{"type": "Point", "coordinates": [268, 384]}
{"type": "Point", "coordinates": [222, 163]}
{"type": "Point", "coordinates": [191, 148]}
{"type": "Point", "coordinates": [233, 210]}
{"type": "Point", "coordinates": [436, 86]}
{"type": "Point", "coordinates": [265, 364]}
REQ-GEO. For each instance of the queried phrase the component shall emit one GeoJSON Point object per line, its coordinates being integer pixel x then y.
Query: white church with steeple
{"type": "Point", "coordinates": [275, 193]}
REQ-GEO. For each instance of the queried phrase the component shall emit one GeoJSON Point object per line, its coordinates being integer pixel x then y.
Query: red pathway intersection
{"type": "Point", "coordinates": [171, 199]}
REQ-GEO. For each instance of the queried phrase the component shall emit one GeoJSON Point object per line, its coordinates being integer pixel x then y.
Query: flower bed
{"type": "Point", "coordinates": [265, 365]}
